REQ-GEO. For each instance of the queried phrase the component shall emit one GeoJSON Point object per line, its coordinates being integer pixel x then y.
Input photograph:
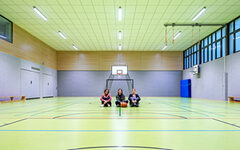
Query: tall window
{"type": "Point", "coordinates": [214, 45]}
{"type": "Point", "coordinates": [234, 36]}
{"type": "Point", "coordinates": [5, 29]}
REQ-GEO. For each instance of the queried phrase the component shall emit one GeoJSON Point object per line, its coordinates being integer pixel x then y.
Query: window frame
{"type": "Point", "coordinates": [10, 41]}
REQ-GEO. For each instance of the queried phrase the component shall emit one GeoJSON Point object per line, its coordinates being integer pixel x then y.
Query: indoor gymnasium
{"type": "Point", "coordinates": [119, 74]}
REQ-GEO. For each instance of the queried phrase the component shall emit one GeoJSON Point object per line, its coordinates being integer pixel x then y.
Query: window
{"type": "Point", "coordinates": [231, 44]}
{"type": "Point", "coordinates": [234, 36]}
{"type": "Point", "coordinates": [202, 57]}
{"type": "Point", "coordinates": [5, 29]}
{"type": "Point", "coordinates": [213, 37]}
{"type": "Point", "coordinates": [213, 52]}
{"type": "Point", "coordinates": [205, 55]}
{"type": "Point", "coordinates": [224, 31]}
{"type": "Point", "coordinates": [218, 49]}
{"type": "Point", "coordinates": [237, 41]}
{"type": "Point", "coordinates": [237, 24]}
{"type": "Point", "coordinates": [218, 34]}
{"type": "Point", "coordinates": [231, 27]}
{"type": "Point", "coordinates": [209, 52]}
{"type": "Point", "coordinates": [223, 46]}
{"type": "Point", "coordinates": [214, 46]}
{"type": "Point", "coordinates": [210, 39]}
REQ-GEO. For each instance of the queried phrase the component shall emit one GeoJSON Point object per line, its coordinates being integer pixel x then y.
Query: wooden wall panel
{"type": "Point", "coordinates": [68, 60]}
{"type": "Point", "coordinates": [30, 48]}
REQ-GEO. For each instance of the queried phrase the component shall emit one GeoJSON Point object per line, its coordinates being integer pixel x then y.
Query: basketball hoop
{"type": "Point", "coordinates": [119, 72]}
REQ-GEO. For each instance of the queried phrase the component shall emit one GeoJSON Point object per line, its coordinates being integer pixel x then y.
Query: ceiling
{"type": "Point", "coordinates": [93, 25]}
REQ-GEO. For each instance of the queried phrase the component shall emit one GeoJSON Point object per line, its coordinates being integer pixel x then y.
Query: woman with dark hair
{"type": "Point", "coordinates": [134, 99]}
{"type": "Point", "coordinates": [120, 98]}
{"type": "Point", "coordinates": [106, 99]}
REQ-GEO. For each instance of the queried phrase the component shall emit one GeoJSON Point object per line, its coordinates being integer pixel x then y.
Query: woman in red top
{"type": "Point", "coordinates": [106, 99]}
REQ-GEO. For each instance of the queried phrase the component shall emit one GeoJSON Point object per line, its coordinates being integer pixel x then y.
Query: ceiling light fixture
{"type": "Point", "coordinates": [119, 35]}
{"type": "Point", "coordinates": [119, 47]}
{"type": "Point", "coordinates": [199, 13]}
{"type": "Point", "coordinates": [74, 47]}
{"type": "Point", "coordinates": [165, 47]}
{"type": "Point", "coordinates": [119, 14]}
{"type": "Point", "coordinates": [39, 13]}
{"type": "Point", "coordinates": [177, 35]}
{"type": "Point", "coordinates": [61, 34]}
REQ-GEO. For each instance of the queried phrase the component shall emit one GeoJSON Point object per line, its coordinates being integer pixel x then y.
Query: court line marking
{"type": "Point", "coordinates": [6, 124]}
{"type": "Point", "coordinates": [100, 147]}
{"type": "Point", "coordinates": [226, 123]}
{"type": "Point", "coordinates": [61, 116]}
{"type": "Point", "coordinates": [16, 130]}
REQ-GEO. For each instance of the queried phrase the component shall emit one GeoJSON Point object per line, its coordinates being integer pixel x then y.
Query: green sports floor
{"type": "Point", "coordinates": [80, 123]}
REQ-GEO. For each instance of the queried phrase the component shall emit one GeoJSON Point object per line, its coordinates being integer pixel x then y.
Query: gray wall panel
{"type": "Point", "coordinates": [9, 75]}
{"type": "Point", "coordinates": [210, 85]}
{"type": "Point", "coordinates": [233, 69]}
{"type": "Point", "coordinates": [212, 82]}
{"type": "Point", "coordinates": [92, 83]}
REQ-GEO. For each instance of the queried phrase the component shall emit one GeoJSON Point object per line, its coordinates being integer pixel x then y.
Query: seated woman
{"type": "Point", "coordinates": [134, 99]}
{"type": "Point", "coordinates": [106, 99]}
{"type": "Point", "coordinates": [120, 98]}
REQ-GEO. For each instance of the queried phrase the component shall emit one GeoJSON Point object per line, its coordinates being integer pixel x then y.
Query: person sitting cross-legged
{"type": "Point", "coordinates": [134, 99]}
{"type": "Point", "coordinates": [120, 98]}
{"type": "Point", "coordinates": [106, 99]}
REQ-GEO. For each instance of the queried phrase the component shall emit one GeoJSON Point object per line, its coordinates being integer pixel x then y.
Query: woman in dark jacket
{"type": "Point", "coordinates": [120, 98]}
{"type": "Point", "coordinates": [134, 99]}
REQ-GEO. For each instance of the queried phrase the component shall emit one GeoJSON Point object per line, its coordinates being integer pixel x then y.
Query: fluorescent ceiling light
{"type": "Point", "coordinates": [61, 34]}
{"type": "Point", "coordinates": [120, 47]}
{"type": "Point", "coordinates": [177, 35]}
{"type": "Point", "coordinates": [119, 35]}
{"type": "Point", "coordinates": [199, 14]}
{"type": "Point", "coordinates": [2, 36]}
{"type": "Point", "coordinates": [165, 47]}
{"type": "Point", "coordinates": [39, 13]}
{"type": "Point", "coordinates": [119, 14]}
{"type": "Point", "coordinates": [74, 47]}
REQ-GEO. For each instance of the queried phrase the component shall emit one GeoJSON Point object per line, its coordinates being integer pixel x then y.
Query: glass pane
{"type": "Point", "coordinates": [237, 42]}
{"type": "Point", "coordinates": [205, 42]}
{"type": "Point", "coordinates": [218, 34]}
{"type": "Point", "coordinates": [224, 31]}
{"type": "Point", "coordinates": [206, 56]}
{"type": "Point", "coordinates": [194, 48]}
{"type": "Point", "coordinates": [195, 58]}
{"type": "Point", "coordinates": [210, 52]}
{"type": "Point", "coordinates": [202, 56]}
{"type": "Point", "coordinates": [184, 66]}
{"type": "Point", "coordinates": [218, 49]}
{"type": "Point", "coordinates": [192, 60]}
{"type": "Point", "coordinates": [213, 37]}
{"type": "Point", "coordinates": [231, 44]}
{"type": "Point", "coordinates": [187, 62]}
{"type": "Point", "coordinates": [209, 39]}
{"type": "Point", "coordinates": [231, 27]}
{"type": "Point", "coordinates": [213, 51]}
{"type": "Point", "coordinates": [5, 29]}
{"type": "Point", "coordinates": [237, 24]}
{"type": "Point", "coordinates": [198, 57]}
{"type": "Point", "coordinates": [223, 46]}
